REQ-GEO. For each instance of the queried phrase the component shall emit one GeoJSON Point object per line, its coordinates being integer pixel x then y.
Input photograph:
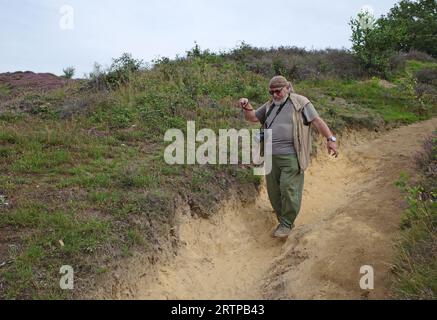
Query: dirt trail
{"type": "Point", "coordinates": [349, 218]}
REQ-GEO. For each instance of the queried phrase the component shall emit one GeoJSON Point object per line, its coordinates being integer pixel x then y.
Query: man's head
{"type": "Point", "coordinates": [279, 87]}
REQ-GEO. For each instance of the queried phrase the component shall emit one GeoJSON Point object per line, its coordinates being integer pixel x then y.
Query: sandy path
{"type": "Point", "coordinates": [349, 218]}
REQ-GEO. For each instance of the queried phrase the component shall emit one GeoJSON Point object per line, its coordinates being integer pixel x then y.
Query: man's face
{"type": "Point", "coordinates": [278, 94]}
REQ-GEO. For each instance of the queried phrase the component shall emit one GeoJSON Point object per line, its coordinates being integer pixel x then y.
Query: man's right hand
{"type": "Point", "coordinates": [244, 102]}
{"type": "Point", "coordinates": [249, 113]}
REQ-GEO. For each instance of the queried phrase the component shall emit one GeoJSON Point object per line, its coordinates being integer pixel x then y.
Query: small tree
{"type": "Point", "coordinates": [122, 68]}
{"type": "Point", "coordinates": [196, 52]}
{"type": "Point", "coordinates": [69, 72]}
{"type": "Point", "coordinates": [369, 43]}
{"type": "Point", "coordinates": [412, 25]}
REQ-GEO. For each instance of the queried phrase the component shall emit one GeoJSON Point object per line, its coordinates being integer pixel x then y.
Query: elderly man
{"type": "Point", "coordinates": [290, 117]}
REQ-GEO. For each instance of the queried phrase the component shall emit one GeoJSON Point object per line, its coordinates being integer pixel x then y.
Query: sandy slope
{"type": "Point", "coordinates": [350, 215]}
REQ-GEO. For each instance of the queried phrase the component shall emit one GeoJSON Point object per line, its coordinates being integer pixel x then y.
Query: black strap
{"type": "Point", "coordinates": [277, 112]}
{"type": "Point", "coordinates": [268, 114]}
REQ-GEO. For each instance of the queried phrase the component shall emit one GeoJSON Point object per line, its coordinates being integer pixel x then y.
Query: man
{"type": "Point", "coordinates": [290, 117]}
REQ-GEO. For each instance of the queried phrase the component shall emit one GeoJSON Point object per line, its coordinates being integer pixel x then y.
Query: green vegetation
{"type": "Point", "coordinates": [410, 25]}
{"type": "Point", "coordinates": [415, 270]}
{"type": "Point", "coordinates": [84, 181]}
{"type": "Point", "coordinates": [83, 165]}
{"type": "Point", "coordinates": [5, 91]}
{"type": "Point", "coordinates": [69, 72]}
{"type": "Point", "coordinates": [98, 182]}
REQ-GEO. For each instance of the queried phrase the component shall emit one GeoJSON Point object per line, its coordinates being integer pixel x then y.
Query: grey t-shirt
{"type": "Point", "coordinates": [282, 126]}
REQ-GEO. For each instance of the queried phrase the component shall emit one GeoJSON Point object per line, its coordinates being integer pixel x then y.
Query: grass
{"type": "Point", "coordinates": [393, 105]}
{"type": "Point", "coordinates": [5, 91]}
{"type": "Point", "coordinates": [98, 181]}
{"type": "Point", "coordinates": [41, 255]}
{"type": "Point", "coordinates": [415, 268]}
{"type": "Point", "coordinates": [414, 66]}
{"type": "Point", "coordinates": [91, 192]}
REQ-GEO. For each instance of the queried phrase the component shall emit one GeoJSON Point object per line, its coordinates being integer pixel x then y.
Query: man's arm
{"type": "Point", "coordinates": [250, 116]}
{"type": "Point", "coordinates": [323, 129]}
{"type": "Point", "coordinates": [249, 111]}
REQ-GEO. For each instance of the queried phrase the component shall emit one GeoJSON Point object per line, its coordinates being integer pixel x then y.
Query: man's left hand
{"type": "Point", "coordinates": [332, 148]}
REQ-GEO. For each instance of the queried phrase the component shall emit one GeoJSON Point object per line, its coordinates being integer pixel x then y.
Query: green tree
{"type": "Point", "coordinates": [122, 68]}
{"type": "Point", "coordinates": [368, 43]}
{"type": "Point", "coordinates": [69, 72]}
{"type": "Point", "coordinates": [411, 25]}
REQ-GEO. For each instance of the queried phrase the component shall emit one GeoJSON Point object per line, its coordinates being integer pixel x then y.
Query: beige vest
{"type": "Point", "coordinates": [301, 132]}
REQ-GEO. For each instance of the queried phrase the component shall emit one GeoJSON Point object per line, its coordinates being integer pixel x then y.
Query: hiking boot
{"type": "Point", "coordinates": [282, 231]}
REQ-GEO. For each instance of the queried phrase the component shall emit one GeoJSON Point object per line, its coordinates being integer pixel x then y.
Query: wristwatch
{"type": "Point", "coordinates": [333, 139]}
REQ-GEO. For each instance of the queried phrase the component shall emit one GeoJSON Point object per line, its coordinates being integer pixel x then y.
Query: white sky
{"type": "Point", "coordinates": [31, 37]}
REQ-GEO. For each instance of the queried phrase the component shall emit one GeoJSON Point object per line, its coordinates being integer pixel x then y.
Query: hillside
{"type": "Point", "coordinates": [83, 178]}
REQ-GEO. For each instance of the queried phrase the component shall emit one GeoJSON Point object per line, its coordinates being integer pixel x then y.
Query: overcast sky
{"type": "Point", "coordinates": [47, 36]}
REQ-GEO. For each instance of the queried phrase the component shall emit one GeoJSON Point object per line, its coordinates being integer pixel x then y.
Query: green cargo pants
{"type": "Point", "coordinates": [284, 187]}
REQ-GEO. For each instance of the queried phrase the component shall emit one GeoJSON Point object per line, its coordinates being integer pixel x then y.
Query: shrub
{"type": "Point", "coordinates": [119, 73]}
{"type": "Point", "coordinates": [427, 76]}
{"type": "Point", "coordinates": [69, 72]}
{"type": "Point", "coordinates": [122, 69]}
{"type": "Point", "coordinates": [415, 268]}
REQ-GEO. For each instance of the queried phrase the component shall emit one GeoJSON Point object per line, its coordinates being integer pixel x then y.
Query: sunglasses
{"type": "Point", "coordinates": [277, 91]}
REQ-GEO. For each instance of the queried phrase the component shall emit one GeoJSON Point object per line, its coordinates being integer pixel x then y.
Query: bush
{"type": "Point", "coordinates": [417, 55]}
{"type": "Point", "coordinates": [69, 72]}
{"type": "Point", "coordinates": [427, 161]}
{"type": "Point", "coordinates": [415, 269]}
{"type": "Point", "coordinates": [298, 64]}
{"type": "Point", "coordinates": [119, 73]}
{"type": "Point", "coordinates": [427, 76]}
{"type": "Point", "coordinates": [369, 44]}
{"type": "Point", "coordinates": [426, 85]}
{"type": "Point", "coordinates": [122, 69]}
{"type": "Point", "coordinates": [409, 26]}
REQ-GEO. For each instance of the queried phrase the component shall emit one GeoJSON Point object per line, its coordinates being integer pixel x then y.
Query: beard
{"type": "Point", "coordinates": [278, 102]}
